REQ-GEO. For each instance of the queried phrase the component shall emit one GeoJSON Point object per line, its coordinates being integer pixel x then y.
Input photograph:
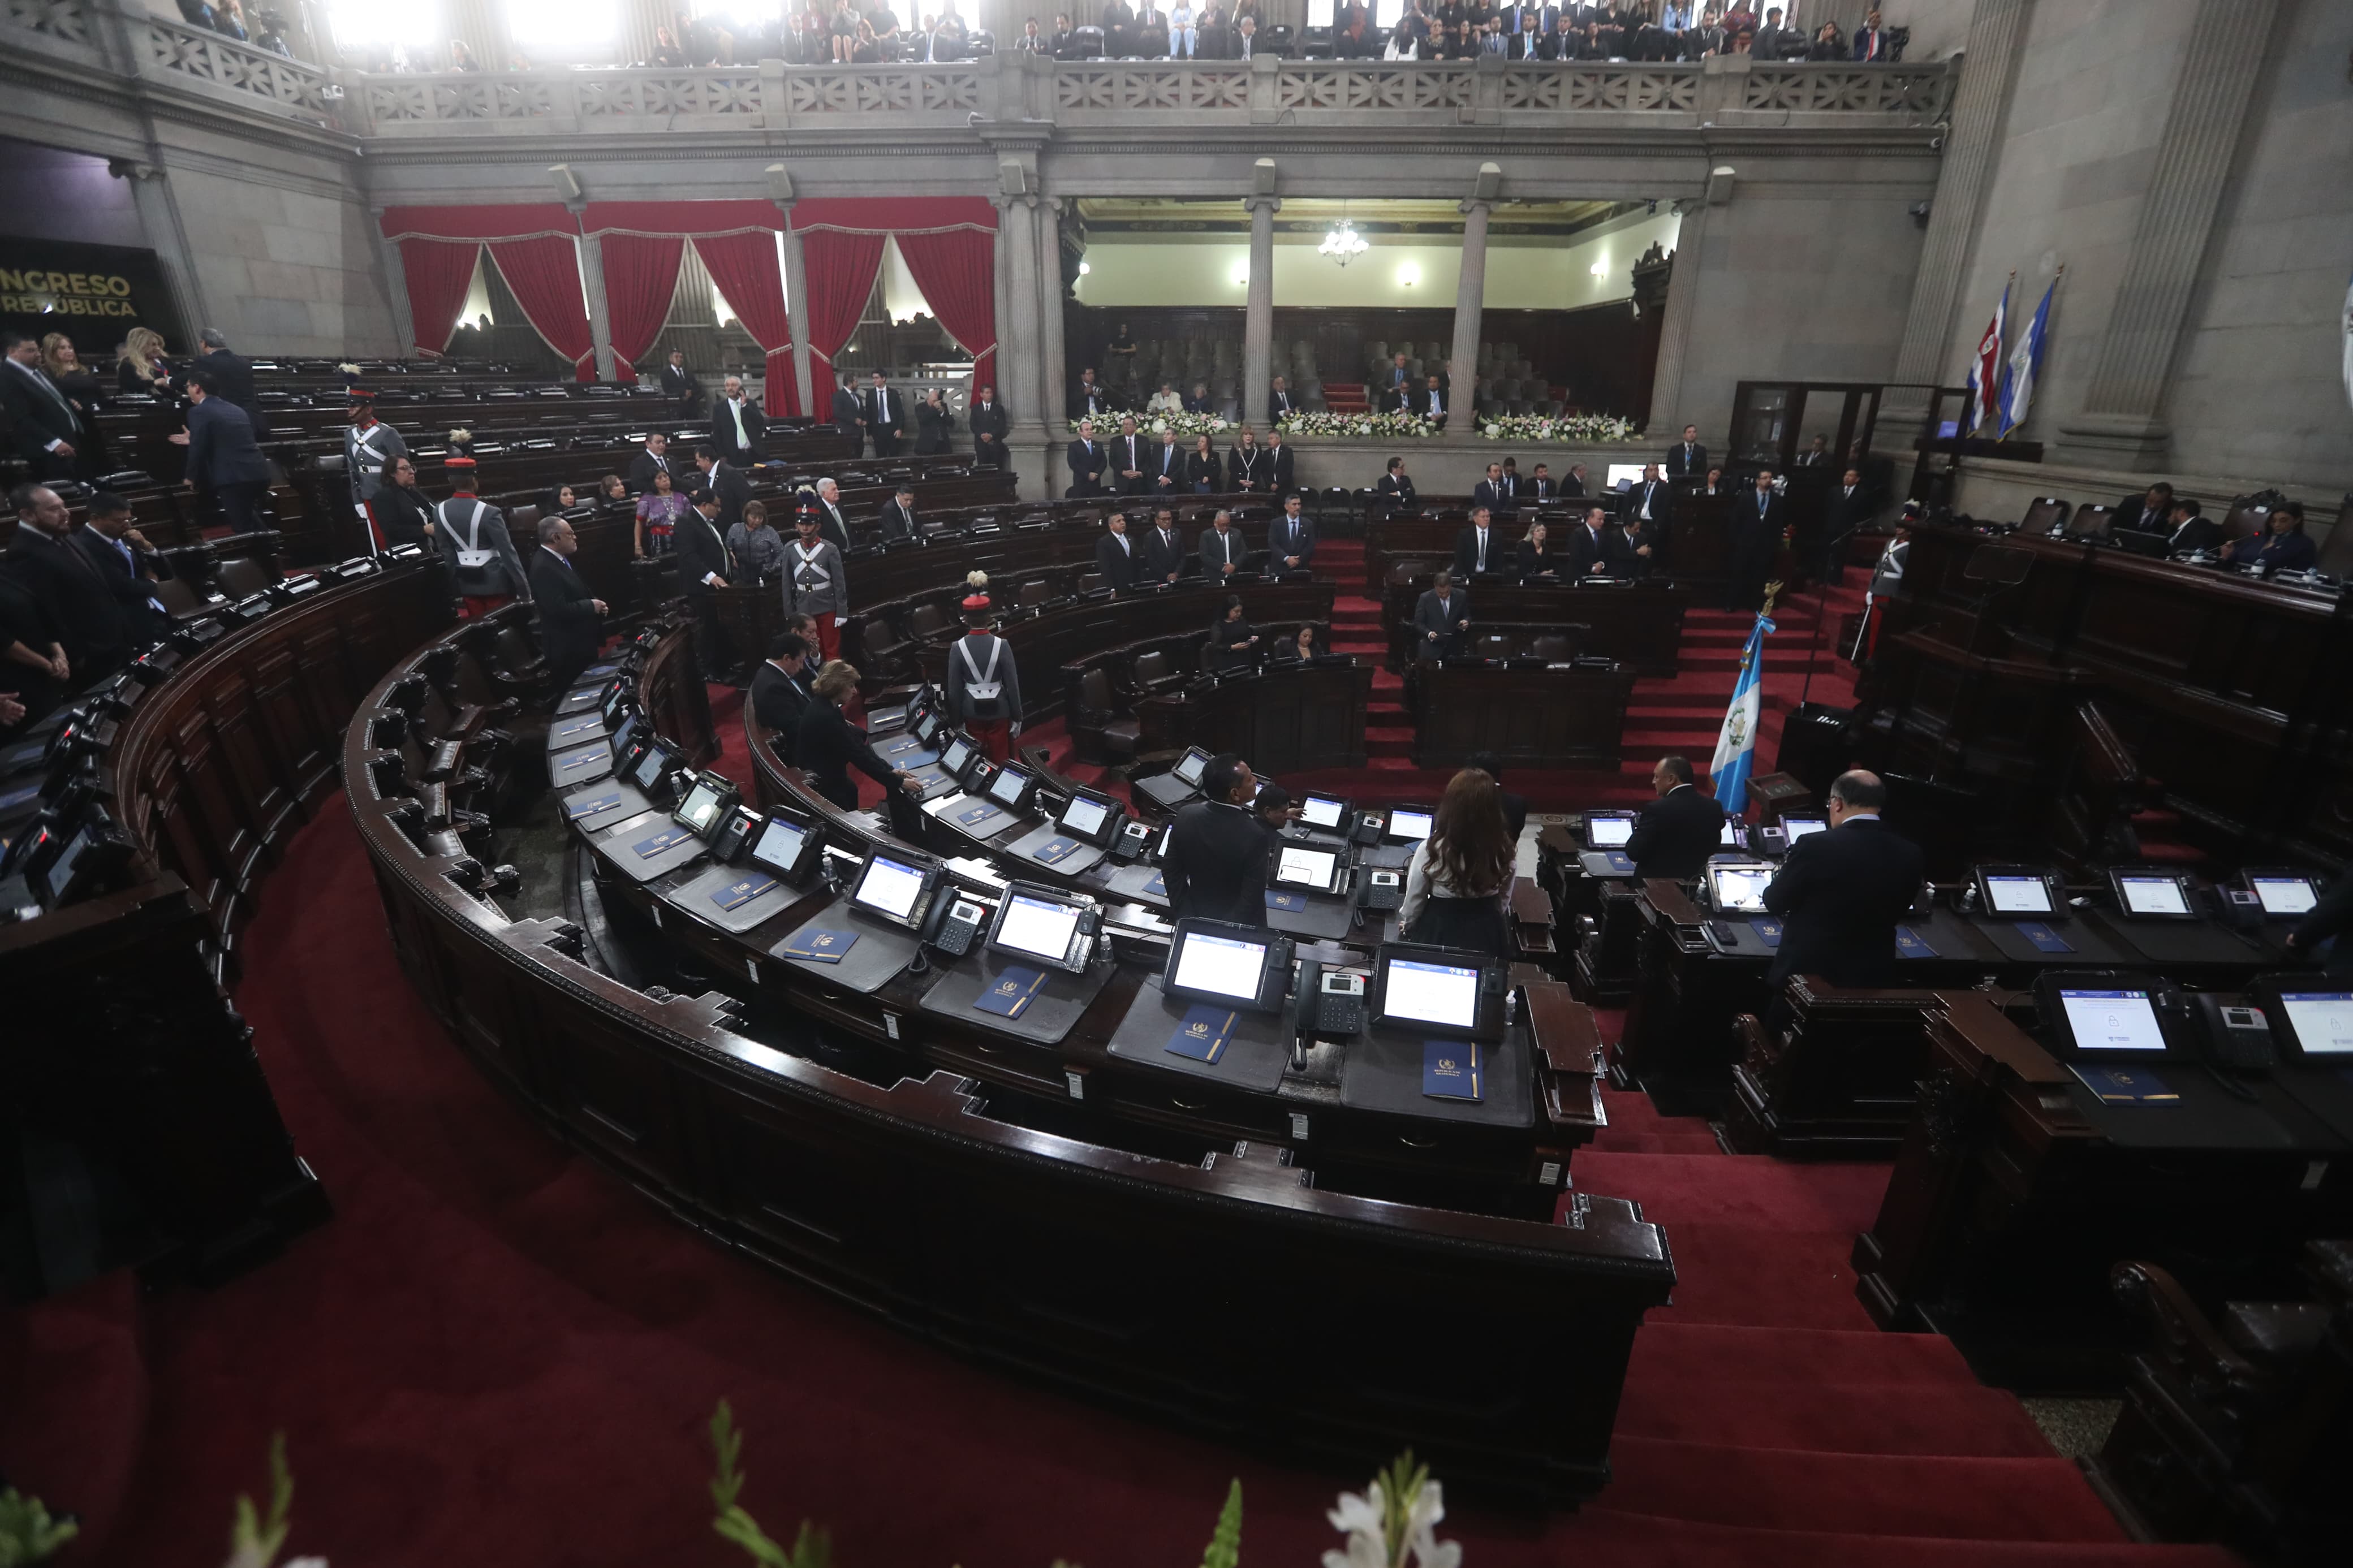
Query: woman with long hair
{"type": "Point", "coordinates": [1230, 643]}
{"type": "Point", "coordinates": [143, 367]}
{"type": "Point", "coordinates": [1461, 874]}
{"type": "Point", "coordinates": [659, 511]}
{"type": "Point", "coordinates": [1202, 469]}
{"type": "Point", "coordinates": [829, 745]}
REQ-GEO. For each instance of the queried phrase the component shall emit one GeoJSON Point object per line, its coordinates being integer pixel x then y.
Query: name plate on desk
{"type": "Point", "coordinates": [1289, 903]}
{"type": "Point", "coordinates": [1909, 944]}
{"type": "Point", "coordinates": [2123, 1086]}
{"type": "Point", "coordinates": [590, 804]}
{"type": "Point", "coordinates": [594, 670]}
{"type": "Point", "coordinates": [978, 815]}
{"type": "Point", "coordinates": [822, 946]}
{"type": "Point", "coordinates": [1450, 1070]}
{"type": "Point", "coordinates": [1056, 851]}
{"type": "Point", "coordinates": [588, 726]}
{"type": "Point", "coordinates": [736, 894]}
{"type": "Point", "coordinates": [583, 760]}
{"type": "Point", "coordinates": [1767, 932]}
{"type": "Point", "coordinates": [667, 839]}
{"type": "Point", "coordinates": [1011, 993]}
{"type": "Point", "coordinates": [906, 751]}
{"type": "Point", "coordinates": [1204, 1033]}
{"type": "Point", "coordinates": [1621, 863]}
{"type": "Point", "coordinates": [2045, 939]}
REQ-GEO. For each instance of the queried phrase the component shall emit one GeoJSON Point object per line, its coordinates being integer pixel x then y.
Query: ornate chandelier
{"type": "Point", "coordinates": [1342, 244]}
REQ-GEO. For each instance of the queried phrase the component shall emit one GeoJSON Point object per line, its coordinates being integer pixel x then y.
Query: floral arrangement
{"type": "Point", "coordinates": [1579, 427]}
{"type": "Point", "coordinates": [1399, 425]}
{"type": "Point", "coordinates": [1395, 1520]}
{"type": "Point", "coordinates": [1185, 427]}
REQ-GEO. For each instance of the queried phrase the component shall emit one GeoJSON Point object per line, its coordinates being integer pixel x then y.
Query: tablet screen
{"type": "Point", "coordinates": [1221, 965]}
{"type": "Point", "coordinates": [889, 888]}
{"type": "Point", "coordinates": [1084, 818]}
{"type": "Point", "coordinates": [1305, 867]}
{"type": "Point", "coordinates": [1040, 927]}
{"type": "Point", "coordinates": [1432, 994]}
{"type": "Point", "coordinates": [1189, 766]}
{"type": "Point", "coordinates": [958, 754]}
{"type": "Point", "coordinates": [2112, 1021]}
{"type": "Point", "coordinates": [1740, 889]}
{"type": "Point", "coordinates": [2283, 895]}
{"type": "Point", "coordinates": [701, 809]}
{"type": "Point", "coordinates": [1797, 828]}
{"type": "Point", "coordinates": [2153, 896]}
{"type": "Point", "coordinates": [650, 769]}
{"type": "Point", "coordinates": [779, 844]}
{"type": "Point", "coordinates": [1730, 835]}
{"type": "Point", "coordinates": [2018, 895]}
{"type": "Point", "coordinates": [1405, 823]}
{"type": "Point", "coordinates": [1323, 810]}
{"type": "Point", "coordinates": [1006, 788]}
{"type": "Point", "coordinates": [59, 874]}
{"type": "Point", "coordinates": [1607, 832]}
{"type": "Point", "coordinates": [2322, 1021]}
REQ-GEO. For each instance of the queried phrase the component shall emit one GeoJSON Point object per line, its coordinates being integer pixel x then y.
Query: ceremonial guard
{"type": "Point", "coordinates": [983, 688]}
{"type": "Point", "coordinates": [369, 447]}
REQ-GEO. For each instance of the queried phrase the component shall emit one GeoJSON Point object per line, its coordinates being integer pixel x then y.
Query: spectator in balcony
{"type": "Point", "coordinates": [844, 29]}
{"type": "Point", "coordinates": [865, 48]}
{"type": "Point", "coordinates": [808, 43]}
{"type": "Point", "coordinates": [1198, 401]}
{"type": "Point", "coordinates": [1216, 40]}
{"type": "Point", "coordinates": [1031, 41]}
{"type": "Point", "coordinates": [1775, 41]}
{"type": "Point", "coordinates": [1088, 399]}
{"type": "Point", "coordinates": [1182, 35]}
{"type": "Point", "coordinates": [1871, 40]}
{"type": "Point", "coordinates": [1063, 42]}
{"type": "Point", "coordinates": [1562, 43]}
{"type": "Point", "coordinates": [229, 20]}
{"type": "Point", "coordinates": [1164, 402]}
{"type": "Point", "coordinates": [1491, 40]}
{"type": "Point", "coordinates": [888, 38]}
{"type": "Point", "coordinates": [199, 14]}
{"type": "Point", "coordinates": [1202, 472]}
{"type": "Point", "coordinates": [1828, 45]}
{"type": "Point", "coordinates": [1355, 42]}
{"type": "Point", "coordinates": [1280, 403]}
{"type": "Point", "coordinates": [934, 420]}
{"type": "Point", "coordinates": [143, 367]}
{"type": "Point", "coordinates": [1151, 31]}
{"type": "Point", "coordinates": [462, 57]}
{"type": "Point", "coordinates": [1430, 402]}
{"type": "Point", "coordinates": [1245, 36]}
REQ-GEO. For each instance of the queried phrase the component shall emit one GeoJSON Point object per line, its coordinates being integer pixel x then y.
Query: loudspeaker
{"type": "Point", "coordinates": [1815, 745]}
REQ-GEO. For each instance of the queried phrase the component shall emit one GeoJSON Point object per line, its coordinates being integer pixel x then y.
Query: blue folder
{"type": "Point", "coordinates": [1451, 1069]}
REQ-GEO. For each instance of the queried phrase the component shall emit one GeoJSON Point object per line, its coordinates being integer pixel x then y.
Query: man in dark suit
{"type": "Point", "coordinates": [1756, 526]}
{"type": "Point", "coordinates": [1216, 865]}
{"type": "Point", "coordinates": [1088, 459]}
{"type": "Point", "coordinates": [830, 520]}
{"type": "Point", "coordinates": [725, 482]}
{"type": "Point", "coordinates": [1515, 807]}
{"type": "Point", "coordinates": [989, 423]}
{"type": "Point", "coordinates": [1479, 548]}
{"type": "Point", "coordinates": [49, 433]}
{"type": "Point", "coordinates": [654, 459]}
{"type": "Point", "coordinates": [1596, 552]}
{"type": "Point", "coordinates": [1396, 383]}
{"type": "Point", "coordinates": [64, 582]}
{"type": "Point", "coordinates": [1430, 403]}
{"type": "Point", "coordinates": [1841, 893]}
{"type": "Point", "coordinates": [898, 515]}
{"type": "Point", "coordinates": [886, 414]}
{"type": "Point", "coordinates": [1539, 486]}
{"type": "Point", "coordinates": [1163, 548]}
{"type": "Point", "coordinates": [1395, 486]}
{"type": "Point", "coordinates": [1165, 474]}
{"type": "Point", "coordinates": [1646, 500]}
{"type": "Point", "coordinates": [1088, 399]}
{"type": "Point", "coordinates": [2149, 513]}
{"type": "Point", "coordinates": [223, 459]}
{"type": "Point", "coordinates": [2190, 529]}
{"type": "Point", "coordinates": [1687, 460]}
{"type": "Point", "coordinates": [232, 377]}
{"type": "Point", "coordinates": [125, 558]}
{"type": "Point", "coordinates": [679, 384]}
{"type": "Point", "coordinates": [1221, 549]}
{"type": "Point", "coordinates": [849, 412]}
{"type": "Point", "coordinates": [1677, 832]}
{"type": "Point", "coordinates": [1280, 403]}
{"type": "Point", "coordinates": [1848, 507]}
{"type": "Point", "coordinates": [1495, 492]}
{"type": "Point", "coordinates": [780, 692]}
{"type": "Point", "coordinates": [1290, 539]}
{"type": "Point", "coordinates": [1282, 465]}
{"type": "Point", "coordinates": [1572, 484]}
{"type": "Point", "coordinates": [1115, 554]}
{"type": "Point", "coordinates": [571, 618]}
{"type": "Point", "coordinates": [704, 566]}
{"type": "Point", "coordinates": [1441, 619]}
{"type": "Point", "coordinates": [1131, 459]}
{"type": "Point", "coordinates": [737, 425]}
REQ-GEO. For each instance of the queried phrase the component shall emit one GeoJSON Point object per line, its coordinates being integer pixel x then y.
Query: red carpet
{"type": "Point", "coordinates": [497, 1354]}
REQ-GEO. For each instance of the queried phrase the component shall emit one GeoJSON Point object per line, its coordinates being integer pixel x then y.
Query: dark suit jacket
{"type": "Point", "coordinates": [1675, 834]}
{"type": "Point", "coordinates": [847, 409]}
{"type": "Point", "coordinates": [36, 419]}
{"type": "Point", "coordinates": [828, 746]}
{"type": "Point", "coordinates": [1279, 405]}
{"type": "Point", "coordinates": [1532, 563]}
{"type": "Point", "coordinates": [1430, 616]}
{"type": "Point", "coordinates": [989, 421]}
{"type": "Point", "coordinates": [1162, 560]}
{"type": "Point", "coordinates": [142, 622]}
{"type": "Point", "coordinates": [1280, 543]}
{"type": "Point", "coordinates": [2201, 533]}
{"type": "Point", "coordinates": [1087, 468]}
{"type": "Point", "coordinates": [1420, 404]}
{"type": "Point", "coordinates": [1215, 865]}
{"type": "Point", "coordinates": [233, 379]}
{"type": "Point", "coordinates": [1466, 551]}
{"type": "Point", "coordinates": [1127, 452]}
{"type": "Point", "coordinates": [733, 490]}
{"type": "Point", "coordinates": [700, 546]}
{"type": "Point", "coordinates": [1208, 470]}
{"type": "Point", "coordinates": [1118, 566]}
{"type": "Point", "coordinates": [722, 432]}
{"type": "Point", "coordinates": [1661, 498]}
{"type": "Point", "coordinates": [898, 523]}
{"type": "Point", "coordinates": [1680, 466]}
{"type": "Point", "coordinates": [1610, 556]}
{"type": "Point", "coordinates": [1166, 459]}
{"type": "Point", "coordinates": [1840, 895]}
{"type": "Point", "coordinates": [679, 381]}
{"type": "Point", "coordinates": [569, 626]}
{"type": "Point", "coordinates": [1216, 551]}
{"type": "Point", "coordinates": [1278, 466]}
{"type": "Point", "coordinates": [2128, 515]}
{"type": "Point", "coordinates": [884, 410]}
{"type": "Point", "coordinates": [778, 701]}
{"type": "Point", "coordinates": [1845, 513]}
{"type": "Point", "coordinates": [79, 601]}
{"type": "Point", "coordinates": [1248, 464]}
{"type": "Point", "coordinates": [1402, 489]}
{"type": "Point", "coordinates": [221, 449]}
{"type": "Point", "coordinates": [1090, 401]}
{"type": "Point", "coordinates": [642, 469]}
{"type": "Point", "coordinates": [1497, 495]}
{"type": "Point", "coordinates": [1753, 533]}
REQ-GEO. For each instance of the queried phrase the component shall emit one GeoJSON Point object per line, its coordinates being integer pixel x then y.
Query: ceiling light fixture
{"type": "Point", "coordinates": [1342, 244]}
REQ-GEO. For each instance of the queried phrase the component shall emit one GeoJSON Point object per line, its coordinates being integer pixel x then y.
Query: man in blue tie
{"type": "Point", "coordinates": [1086, 458]}
{"type": "Point", "coordinates": [1756, 526]}
{"type": "Point", "coordinates": [1292, 542]}
{"type": "Point", "coordinates": [570, 619]}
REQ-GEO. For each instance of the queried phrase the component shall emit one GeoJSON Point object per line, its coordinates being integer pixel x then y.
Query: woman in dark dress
{"type": "Point", "coordinates": [401, 511]}
{"type": "Point", "coordinates": [1299, 648]}
{"type": "Point", "coordinates": [1230, 641]}
{"type": "Point", "coordinates": [1202, 472]}
{"type": "Point", "coordinates": [1461, 875]}
{"type": "Point", "coordinates": [829, 745]}
{"type": "Point", "coordinates": [82, 389]}
{"type": "Point", "coordinates": [2283, 546]}
{"type": "Point", "coordinates": [934, 420]}
{"type": "Point", "coordinates": [1538, 561]}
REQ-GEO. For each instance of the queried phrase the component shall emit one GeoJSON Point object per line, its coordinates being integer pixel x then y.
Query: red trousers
{"type": "Point", "coordinates": [829, 636]}
{"type": "Point", "coordinates": [993, 736]}
{"type": "Point", "coordinates": [478, 606]}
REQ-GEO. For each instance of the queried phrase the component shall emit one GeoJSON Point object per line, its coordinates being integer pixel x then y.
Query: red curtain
{"type": "Point", "coordinates": [744, 267]}
{"type": "Point", "coordinates": [544, 274]}
{"type": "Point", "coordinates": [640, 275]}
{"type": "Point", "coordinates": [840, 270]}
{"type": "Point", "coordinates": [957, 270]}
{"type": "Point", "coordinates": [438, 274]}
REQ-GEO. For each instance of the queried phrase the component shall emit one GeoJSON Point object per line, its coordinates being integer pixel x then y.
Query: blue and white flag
{"type": "Point", "coordinates": [1736, 748]}
{"type": "Point", "coordinates": [2025, 367]}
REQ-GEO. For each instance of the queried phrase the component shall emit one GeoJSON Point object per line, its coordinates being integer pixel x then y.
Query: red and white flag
{"type": "Point", "coordinates": [1985, 369]}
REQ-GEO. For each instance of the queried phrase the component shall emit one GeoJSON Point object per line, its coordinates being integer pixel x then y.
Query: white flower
{"type": "Point", "coordinates": [1359, 1518]}
{"type": "Point", "coordinates": [1217, 422]}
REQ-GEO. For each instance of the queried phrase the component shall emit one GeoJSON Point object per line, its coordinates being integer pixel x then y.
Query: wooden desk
{"type": "Point", "coordinates": [1528, 718]}
{"type": "Point", "coordinates": [1639, 625]}
{"type": "Point", "coordinates": [1285, 721]}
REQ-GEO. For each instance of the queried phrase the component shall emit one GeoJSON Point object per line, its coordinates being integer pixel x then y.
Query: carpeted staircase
{"type": "Point", "coordinates": [1344, 397]}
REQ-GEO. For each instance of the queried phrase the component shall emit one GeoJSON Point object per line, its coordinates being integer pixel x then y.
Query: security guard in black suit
{"type": "Point", "coordinates": [1840, 894]}
{"type": "Point", "coordinates": [570, 619]}
{"type": "Point", "coordinates": [1216, 865]}
{"type": "Point", "coordinates": [1677, 832]}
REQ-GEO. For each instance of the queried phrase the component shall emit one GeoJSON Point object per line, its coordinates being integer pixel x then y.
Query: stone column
{"type": "Point", "coordinates": [482, 24]}
{"type": "Point", "coordinates": [159, 219]}
{"type": "Point", "coordinates": [796, 308]}
{"type": "Point", "coordinates": [1972, 144]}
{"type": "Point", "coordinates": [1470, 299]}
{"type": "Point", "coordinates": [591, 292]}
{"type": "Point", "coordinates": [1258, 320]}
{"type": "Point", "coordinates": [639, 19]}
{"type": "Point", "coordinates": [1054, 359]}
{"type": "Point", "coordinates": [1674, 333]}
{"type": "Point", "coordinates": [396, 287]}
{"type": "Point", "coordinates": [2123, 419]}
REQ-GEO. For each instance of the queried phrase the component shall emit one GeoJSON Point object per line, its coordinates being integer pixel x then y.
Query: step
{"type": "Point", "coordinates": [1603, 1534]}
{"type": "Point", "coordinates": [1734, 1355]}
{"type": "Point", "coordinates": [1834, 1417]}
{"type": "Point", "coordinates": [1655, 1143]}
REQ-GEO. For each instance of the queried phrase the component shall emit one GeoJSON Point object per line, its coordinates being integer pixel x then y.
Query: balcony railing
{"type": "Point", "coordinates": [182, 55]}
{"type": "Point", "coordinates": [120, 40]}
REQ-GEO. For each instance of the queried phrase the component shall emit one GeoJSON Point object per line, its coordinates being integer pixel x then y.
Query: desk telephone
{"type": "Point", "coordinates": [1331, 1002]}
{"type": "Point", "coordinates": [955, 925]}
{"type": "Point", "coordinates": [1367, 830]}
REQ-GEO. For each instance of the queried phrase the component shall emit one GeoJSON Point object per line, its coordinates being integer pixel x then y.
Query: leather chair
{"type": "Point", "coordinates": [1091, 581]}
{"type": "Point", "coordinates": [1492, 645]}
{"type": "Point", "coordinates": [1552, 647]}
{"type": "Point", "coordinates": [1034, 593]}
{"type": "Point", "coordinates": [926, 622]}
{"type": "Point", "coordinates": [242, 575]}
{"type": "Point", "coordinates": [1097, 731]}
{"type": "Point", "coordinates": [1152, 671]}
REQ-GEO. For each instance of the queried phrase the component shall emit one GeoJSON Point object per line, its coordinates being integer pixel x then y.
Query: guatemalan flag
{"type": "Point", "coordinates": [1736, 748]}
{"type": "Point", "coordinates": [1985, 371]}
{"type": "Point", "coordinates": [2025, 367]}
